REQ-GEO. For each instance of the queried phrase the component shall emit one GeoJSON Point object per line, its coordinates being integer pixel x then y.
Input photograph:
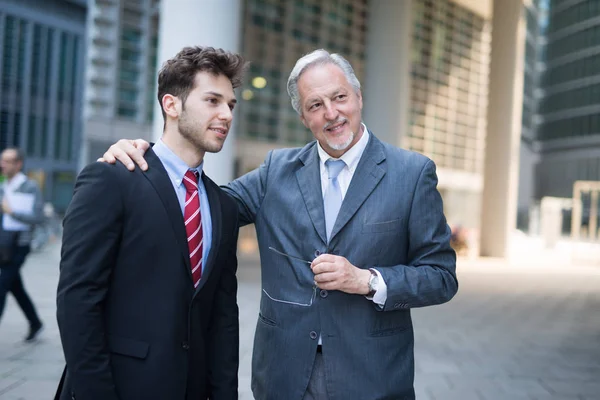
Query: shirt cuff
{"type": "Point", "coordinates": [380, 296]}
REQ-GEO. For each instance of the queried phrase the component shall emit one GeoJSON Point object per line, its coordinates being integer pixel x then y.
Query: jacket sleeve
{"type": "Point", "coordinates": [249, 191]}
{"type": "Point", "coordinates": [429, 277]}
{"type": "Point", "coordinates": [92, 231]}
{"type": "Point", "coordinates": [224, 333]}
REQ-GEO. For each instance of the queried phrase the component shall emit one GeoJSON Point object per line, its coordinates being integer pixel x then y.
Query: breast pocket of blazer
{"type": "Point", "coordinates": [128, 347]}
{"type": "Point", "coordinates": [382, 227]}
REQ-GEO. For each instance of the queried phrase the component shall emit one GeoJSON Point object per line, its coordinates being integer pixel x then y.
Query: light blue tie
{"type": "Point", "coordinates": [333, 196]}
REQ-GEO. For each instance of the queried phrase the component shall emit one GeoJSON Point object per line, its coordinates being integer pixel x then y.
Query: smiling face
{"type": "Point", "coordinates": [205, 117]}
{"type": "Point", "coordinates": [330, 107]}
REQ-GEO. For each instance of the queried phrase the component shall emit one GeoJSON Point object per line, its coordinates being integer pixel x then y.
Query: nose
{"type": "Point", "coordinates": [226, 114]}
{"type": "Point", "coordinates": [331, 113]}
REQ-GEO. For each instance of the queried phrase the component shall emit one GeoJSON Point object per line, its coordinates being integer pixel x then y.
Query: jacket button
{"type": "Point", "coordinates": [323, 293]}
{"type": "Point", "coordinates": [317, 253]}
{"type": "Point", "coordinates": [313, 335]}
{"type": "Point", "coordinates": [185, 346]}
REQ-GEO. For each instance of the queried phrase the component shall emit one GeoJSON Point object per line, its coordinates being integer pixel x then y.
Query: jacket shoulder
{"type": "Point", "coordinates": [409, 158]}
{"type": "Point", "coordinates": [290, 154]}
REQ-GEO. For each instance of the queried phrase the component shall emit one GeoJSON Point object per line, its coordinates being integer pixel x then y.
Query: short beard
{"type": "Point", "coordinates": [189, 131]}
{"type": "Point", "coordinates": [341, 146]}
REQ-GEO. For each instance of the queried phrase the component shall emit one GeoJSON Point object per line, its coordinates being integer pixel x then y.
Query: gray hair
{"type": "Point", "coordinates": [318, 57]}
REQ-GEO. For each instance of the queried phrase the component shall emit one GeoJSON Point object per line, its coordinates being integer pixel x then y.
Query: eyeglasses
{"type": "Point", "coordinates": [314, 286]}
{"type": "Point", "coordinates": [289, 256]}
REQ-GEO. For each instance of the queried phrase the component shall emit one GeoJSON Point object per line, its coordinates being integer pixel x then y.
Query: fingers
{"type": "Point", "coordinates": [127, 152]}
{"type": "Point", "coordinates": [324, 258]}
{"type": "Point", "coordinates": [115, 153]}
{"type": "Point", "coordinates": [141, 144]}
{"type": "Point", "coordinates": [323, 278]}
{"type": "Point", "coordinates": [138, 157]}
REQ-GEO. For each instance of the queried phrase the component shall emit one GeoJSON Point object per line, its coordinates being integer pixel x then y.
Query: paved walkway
{"type": "Point", "coordinates": [511, 333]}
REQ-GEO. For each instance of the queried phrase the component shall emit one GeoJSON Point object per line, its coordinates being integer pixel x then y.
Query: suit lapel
{"type": "Point", "coordinates": [158, 177]}
{"type": "Point", "coordinates": [216, 220]}
{"type": "Point", "coordinates": [366, 177]}
{"type": "Point", "coordinates": [309, 182]}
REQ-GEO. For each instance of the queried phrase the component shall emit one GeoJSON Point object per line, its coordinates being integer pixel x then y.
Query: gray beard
{"type": "Point", "coordinates": [342, 146]}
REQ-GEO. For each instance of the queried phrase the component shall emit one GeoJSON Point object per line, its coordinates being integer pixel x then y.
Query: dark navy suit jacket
{"type": "Point", "coordinates": [131, 324]}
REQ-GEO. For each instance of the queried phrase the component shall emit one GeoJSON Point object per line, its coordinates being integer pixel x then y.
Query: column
{"type": "Point", "coordinates": [501, 176]}
{"type": "Point", "coordinates": [386, 86]}
{"type": "Point", "coordinates": [215, 23]}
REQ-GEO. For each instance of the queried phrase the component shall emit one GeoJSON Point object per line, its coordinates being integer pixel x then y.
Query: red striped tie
{"type": "Point", "coordinates": [193, 223]}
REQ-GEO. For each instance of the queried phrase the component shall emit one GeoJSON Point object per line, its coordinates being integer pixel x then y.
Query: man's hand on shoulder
{"type": "Point", "coordinates": [127, 152]}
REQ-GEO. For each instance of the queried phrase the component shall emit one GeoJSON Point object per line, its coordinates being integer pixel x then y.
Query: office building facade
{"type": "Point", "coordinates": [443, 94]}
{"type": "Point", "coordinates": [120, 73]}
{"type": "Point", "coordinates": [42, 52]}
{"type": "Point", "coordinates": [423, 66]}
{"type": "Point", "coordinates": [569, 130]}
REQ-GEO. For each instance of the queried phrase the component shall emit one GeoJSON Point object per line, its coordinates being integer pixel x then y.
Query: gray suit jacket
{"type": "Point", "coordinates": [391, 219]}
{"type": "Point", "coordinates": [28, 187]}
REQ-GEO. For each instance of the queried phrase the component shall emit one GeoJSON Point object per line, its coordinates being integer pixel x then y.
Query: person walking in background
{"type": "Point", "coordinates": [22, 209]}
{"type": "Point", "coordinates": [146, 300]}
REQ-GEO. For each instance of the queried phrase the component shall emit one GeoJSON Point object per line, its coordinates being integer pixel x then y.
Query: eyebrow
{"type": "Point", "coordinates": [313, 99]}
{"type": "Point", "coordinates": [220, 96]}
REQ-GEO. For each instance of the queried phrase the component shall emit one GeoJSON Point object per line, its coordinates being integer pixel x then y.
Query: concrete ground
{"type": "Point", "coordinates": [513, 332]}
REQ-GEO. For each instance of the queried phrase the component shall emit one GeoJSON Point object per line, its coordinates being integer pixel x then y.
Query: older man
{"type": "Point", "coordinates": [352, 236]}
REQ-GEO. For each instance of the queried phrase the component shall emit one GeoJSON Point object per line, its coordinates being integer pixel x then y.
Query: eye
{"type": "Point", "coordinates": [212, 100]}
{"type": "Point", "coordinates": [341, 97]}
{"type": "Point", "coordinates": [314, 106]}
{"type": "Point", "coordinates": [231, 106]}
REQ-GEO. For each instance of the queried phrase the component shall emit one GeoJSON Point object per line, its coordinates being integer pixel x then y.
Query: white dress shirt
{"type": "Point", "coordinates": [351, 158]}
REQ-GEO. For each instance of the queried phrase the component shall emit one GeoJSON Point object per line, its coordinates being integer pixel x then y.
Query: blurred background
{"type": "Point", "coordinates": [503, 95]}
{"type": "Point", "coordinates": [509, 122]}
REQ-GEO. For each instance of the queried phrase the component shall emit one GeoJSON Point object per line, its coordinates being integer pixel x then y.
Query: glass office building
{"type": "Point", "coordinates": [120, 79]}
{"type": "Point", "coordinates": [569, 130]}
{"type": "Point", "coordinates": [42, 51]}
{"type": "Point", "coordinates": [448, 81]}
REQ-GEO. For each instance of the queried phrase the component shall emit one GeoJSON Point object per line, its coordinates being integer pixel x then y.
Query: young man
{"type": "Point", "coordinates": [22, 209]}
{"type": "Point", "coordinates": [369, 217]}
{"type": "Point", "coordinates": [147, 291]}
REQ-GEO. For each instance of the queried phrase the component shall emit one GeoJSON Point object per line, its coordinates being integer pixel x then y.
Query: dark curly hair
{"type": "Point", "coordinates": [177, 75]}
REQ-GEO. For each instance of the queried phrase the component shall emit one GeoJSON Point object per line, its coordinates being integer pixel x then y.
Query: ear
{"type": "Point", "coordinates": [359, 94]}
{"type": "Point", "coordinates": [171, 105]}
{"type": "Point", "coordinates": [303, 120]}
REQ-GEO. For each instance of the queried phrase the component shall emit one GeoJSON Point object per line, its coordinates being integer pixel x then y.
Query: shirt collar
{"type": "Point", "coordinates": [352, 156]}
{"type": "Point", "coordinates": [175, 166]}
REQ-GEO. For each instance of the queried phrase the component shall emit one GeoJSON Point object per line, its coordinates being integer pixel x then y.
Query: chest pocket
{"type": "Point", "coordinates": [379, 227]}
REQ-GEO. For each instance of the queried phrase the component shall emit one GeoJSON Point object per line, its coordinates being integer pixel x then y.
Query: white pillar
{"type": "Point", "coordinates": [215, 23]}
{"type": "Point", "coordinates": [386, 86]}
{"type": "Point", "coordinates": [501, 176]}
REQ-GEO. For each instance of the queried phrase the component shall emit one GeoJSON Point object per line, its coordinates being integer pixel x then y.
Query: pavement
{"type": "Point", "coordinates": [514, 331]}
